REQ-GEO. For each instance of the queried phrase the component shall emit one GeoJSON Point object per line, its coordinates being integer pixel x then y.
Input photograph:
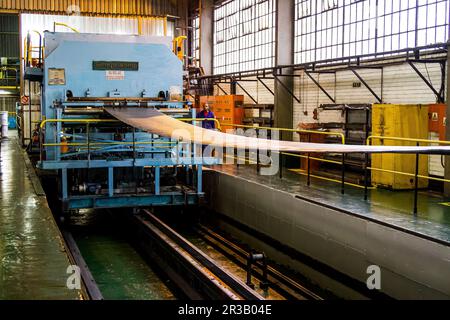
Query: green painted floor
{"type": "Point", "coordinates": [392, 207]}
{"type": "Point", "coordinates": [33, 262]}
{"type": "Point", "coordinates": [120, 272]}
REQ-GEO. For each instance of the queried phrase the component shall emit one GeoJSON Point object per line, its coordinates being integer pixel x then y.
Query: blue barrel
{"type": "Point", "coordinates": [12, 124]}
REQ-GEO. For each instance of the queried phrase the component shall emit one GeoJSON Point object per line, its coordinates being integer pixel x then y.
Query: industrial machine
{"type": "Point", "coordinates": [102, 162]}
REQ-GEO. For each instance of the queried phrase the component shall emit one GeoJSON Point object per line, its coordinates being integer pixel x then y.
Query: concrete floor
{"type": "Point", "coordinates": [33, 258]}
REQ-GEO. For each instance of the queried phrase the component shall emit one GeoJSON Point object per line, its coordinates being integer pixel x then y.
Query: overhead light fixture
{"type": "Point", "coordinates": [8, 92]}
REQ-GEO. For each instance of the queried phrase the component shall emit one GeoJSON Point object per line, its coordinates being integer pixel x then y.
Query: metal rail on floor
{"type": "Point", "coordinates": [277, 279]}
{"type": "Point", "coordinates": [198, 275]}
{"type": "Point", "coordinates": [89, 282]}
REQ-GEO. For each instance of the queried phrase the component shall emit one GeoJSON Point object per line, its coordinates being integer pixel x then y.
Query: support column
{"type": "Point", "coordinates": [157, 181]}
{"type": "Point", "coordinates": [284, 55]}
{"type": "Point", "coordinates": [447, 133]}
{"type": "Point", "coordinates": [111, 182]}
{"type": "Point", "coordinates": [206, 35]}
{"type": "Point", "coordinates": [64, 187]}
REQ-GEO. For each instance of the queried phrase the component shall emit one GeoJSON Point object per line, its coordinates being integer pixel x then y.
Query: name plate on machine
{"type": "Point", "coordinates": [56, 77]}
{"type": "Point", "coordinates": [115, 75]}
{"type": "Point", "coordinates": [115, 65]}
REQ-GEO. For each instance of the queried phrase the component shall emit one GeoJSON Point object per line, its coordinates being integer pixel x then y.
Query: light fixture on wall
{"type": "Point", "coordinates": [8, 92]}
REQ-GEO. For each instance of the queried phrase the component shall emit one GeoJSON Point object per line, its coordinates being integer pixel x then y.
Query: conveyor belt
{"type": "Point", "coordinates": [153, 121]}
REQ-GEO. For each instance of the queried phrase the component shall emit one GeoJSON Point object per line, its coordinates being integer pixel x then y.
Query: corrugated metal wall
{"type": "Point", "coordinates": [106, 25]}
{"type": "Point", "coordinates": [123, 7]}
{"type": "Point", "coordinates": [9, 36]}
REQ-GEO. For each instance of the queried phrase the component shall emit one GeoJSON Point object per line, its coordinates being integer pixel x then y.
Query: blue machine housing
{"type": "Point", "coordinates": [103, 163]}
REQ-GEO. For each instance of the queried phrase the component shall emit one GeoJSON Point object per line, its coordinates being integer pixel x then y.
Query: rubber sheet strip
{"type": "Point", "coordinates": [155, 122]}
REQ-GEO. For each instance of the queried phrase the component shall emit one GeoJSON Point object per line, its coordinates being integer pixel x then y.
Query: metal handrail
{"type": "Point", "coordinates": [64, 25]}
{"type": "Point", "coordinates": [416, 175]}
{"type": "Point", "coordinates": [292, 130]}
{"type": "Point", "coordinates": [308, 157]}
{"type": "Point", "coordinates": [371, 138]}
{"type": "Point", "coordinates": [118, 143]}
{"type": "Point", "coordinates": [83, 121]}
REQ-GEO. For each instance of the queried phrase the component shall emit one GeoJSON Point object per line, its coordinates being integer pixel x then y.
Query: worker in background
{"type": "Point", "coordinates": [206, 113]}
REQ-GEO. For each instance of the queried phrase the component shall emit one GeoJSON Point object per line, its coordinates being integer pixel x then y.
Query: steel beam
{"type": "Point", "coordinates": [287, 88]}
{"type": "Point", "coordinates": [439, 95]}
{"type": "Point", "coordinates": [266, 86]}
{"type": "Point", "coordinates": [380, 99]}
{"type": "Point", "coordinates": [221, 89]}
{"type": "Point", "coordinates": [319, 86]}
{"type": "Point", "coordinates": [447, 159]}
{"type": "Point", "coordinates": [246, 92]}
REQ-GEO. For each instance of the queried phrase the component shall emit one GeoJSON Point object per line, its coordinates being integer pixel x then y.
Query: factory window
{"type": "Point", "coordinates": [244, 37]}
{"type": "Point", "coordinates": [196, 39]}
{"type": "Point", "coordinates": [328, 29]}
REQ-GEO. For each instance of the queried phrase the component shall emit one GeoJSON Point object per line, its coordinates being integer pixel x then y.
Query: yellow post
{"type": "Point", "coordinates": [178, 47]}
{"type": "Point", "coordinates": [140, 25]}
{"type": "Point", "coordinates": [165, 26]}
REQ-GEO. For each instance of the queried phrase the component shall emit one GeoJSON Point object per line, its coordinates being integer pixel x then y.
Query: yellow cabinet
{"type": "Point", "coordinates": [403, 121]}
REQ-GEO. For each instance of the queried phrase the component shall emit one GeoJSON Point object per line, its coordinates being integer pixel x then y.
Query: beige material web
{"type": "Point", "coordinates": [153, 121]}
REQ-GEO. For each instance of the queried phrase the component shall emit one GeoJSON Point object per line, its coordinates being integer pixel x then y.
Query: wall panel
{"type": "Point", "coordinates": [122, 7]}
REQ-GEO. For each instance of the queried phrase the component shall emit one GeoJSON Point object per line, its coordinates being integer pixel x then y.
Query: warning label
{"type": "Point", "coordinates": [115, 75]}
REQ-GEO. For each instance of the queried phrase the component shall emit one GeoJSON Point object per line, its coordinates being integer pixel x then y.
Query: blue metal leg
{"type": "Point", "coordinates": [58, 137]}
{"type": "Point", "coordinates": [157, 181]}
{"type": "Point", "coordinates": [111, 182]}
{"type": "Point", "coordinates": [199, 179]}
{"type": "Point", "coordinates": [65, 195]}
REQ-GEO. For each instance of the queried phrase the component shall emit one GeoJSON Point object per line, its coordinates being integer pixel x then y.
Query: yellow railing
{"type": "Point", "coordinates": [417, 141]}
{"type": "Point", "coordinates": [308, 157]}
{"type": "Point", "coordinates": [371, 138]}
{"type": "Point", "coordinates": [90, 121]}
{"type": "Point", "coordinates": [218, 126]}
{"type": "Point", "coordinates": [65, 25]}
{"type": "Point", "coordinates": [304, 173]}
{"type": "Point", "coordinates": [83, 121]}
{"type": "Point", "coordinates": [9, 87]}
{"type": "Point", "coordinates": [342, 136]}
{"type": "Point", "coordinates": [118, 143]}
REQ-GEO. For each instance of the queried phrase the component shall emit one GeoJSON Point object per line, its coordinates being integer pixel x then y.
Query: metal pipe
{"type": "Point", "coordinates": [407, 140]}
{"type": "Point", "coordinates": [309, 163]}
{"type": "Point", "coordinates": [258, 165]}
{"type": "Point", "coordinates": [366, 177]}
{"type": "Point", "coordinates": [294, 131]}
{"type": "Point", "coordinates": [64, 25]}
{"type": "Point", "coordinates": [280, 156]}
{"type": "Point", "coordinates": [416, 183]}
{"type": "Point", "coordinates": [343, 174]}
